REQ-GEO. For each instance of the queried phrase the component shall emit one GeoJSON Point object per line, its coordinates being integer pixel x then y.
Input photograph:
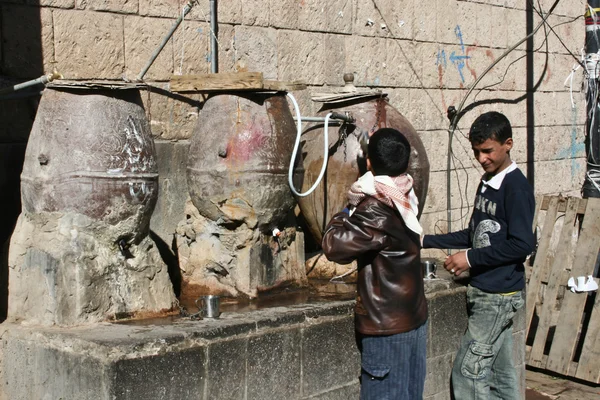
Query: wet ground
{"type": "Point", "coordinates": [543, 386]}
{"type": "Point", "coordinates": [316, 292]}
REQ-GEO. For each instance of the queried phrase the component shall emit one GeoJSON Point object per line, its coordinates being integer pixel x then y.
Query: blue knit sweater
{"type": "Point", "coordinates": [499, 236]}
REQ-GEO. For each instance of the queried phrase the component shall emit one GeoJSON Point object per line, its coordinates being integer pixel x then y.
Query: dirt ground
{"type": "Point", "coordinates": [541, 386]}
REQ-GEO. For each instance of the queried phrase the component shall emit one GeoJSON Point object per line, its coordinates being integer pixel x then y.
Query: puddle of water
{"type": "Point", "coordinates": [316, 292]}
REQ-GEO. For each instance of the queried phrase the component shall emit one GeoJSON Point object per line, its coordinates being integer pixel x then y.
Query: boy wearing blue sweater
{"type": "Point", "coordinates": [498, 239]}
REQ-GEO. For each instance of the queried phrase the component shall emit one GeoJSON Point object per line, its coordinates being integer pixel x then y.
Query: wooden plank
{"type": "Point", "coordinates": [220, 81]}
{"type": "Point", "coordinates": [540, 259]}
{"type": "Point", "coordinates": [545, 203]}
{"type": "Point", "coordinates": [282, 86]}
{"type": "Point", "coordinates": [568, 326]}
{"type": "Point", "coordinates": [589, 363]}
{"type": "Point", "coordinates": [548, 308]}
{"type": "Point", "coordinates": [538, 203]}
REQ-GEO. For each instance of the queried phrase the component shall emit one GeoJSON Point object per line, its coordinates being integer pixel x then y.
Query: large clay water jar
{"type": "Point", "coordinates": [239, 157]}
{"type": "Point", "coordinates": [90, 151]}
{"type": "Point", "coordinates": [346, 162]}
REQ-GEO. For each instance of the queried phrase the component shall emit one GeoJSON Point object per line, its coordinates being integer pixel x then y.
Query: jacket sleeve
{"type": "Point", "coordinates": [520, 240]}
{"type": "Point", "coordinates": [348, 237]}
{"type": "Point", "coordinates": [454, 240]}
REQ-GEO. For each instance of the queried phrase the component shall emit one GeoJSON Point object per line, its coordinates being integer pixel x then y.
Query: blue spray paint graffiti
{"type": "Point", "coordinates": [458, 60]}
{"type": "Point", "coordinates": [575, 149]}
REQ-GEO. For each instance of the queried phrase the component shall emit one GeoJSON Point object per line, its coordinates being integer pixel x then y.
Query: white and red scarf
{"type": "Point", "coordinates": [395, 192]}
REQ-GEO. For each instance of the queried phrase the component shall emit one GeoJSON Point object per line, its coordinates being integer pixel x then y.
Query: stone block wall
{"type": "Point", "coordinates": [425, 55]}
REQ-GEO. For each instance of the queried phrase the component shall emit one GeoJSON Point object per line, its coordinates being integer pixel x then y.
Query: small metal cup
{"type": "Point", "coordinates": [429, 268]}
{"type": "Point", "coordinates": [208, 306]}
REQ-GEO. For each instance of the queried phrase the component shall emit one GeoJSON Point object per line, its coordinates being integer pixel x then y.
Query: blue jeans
{"type": "Point", "coordinates": [483, 368]}
{"type": "Point", "coordinates": [393, 366]}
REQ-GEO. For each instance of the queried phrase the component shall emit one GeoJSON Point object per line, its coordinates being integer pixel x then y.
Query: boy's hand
{"type": "Point", "coordinates": [457, 263]}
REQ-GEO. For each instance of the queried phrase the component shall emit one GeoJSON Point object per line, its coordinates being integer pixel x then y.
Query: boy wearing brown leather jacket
{"type": "Point", "coordinates": [381, 231]}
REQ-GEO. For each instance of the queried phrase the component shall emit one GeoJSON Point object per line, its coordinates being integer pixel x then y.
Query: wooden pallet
{"type": "Point", "coordinates": [564, 327]}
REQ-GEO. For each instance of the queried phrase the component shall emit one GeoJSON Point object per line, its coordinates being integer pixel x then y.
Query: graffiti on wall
{"type": "Point", "coordinates": [574, 149]}
{"type": "Point", "coordinates": [458, 61]}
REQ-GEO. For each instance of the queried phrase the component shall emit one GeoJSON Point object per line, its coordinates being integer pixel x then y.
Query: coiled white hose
{"type": "Point", "coordinates": [297, 145]}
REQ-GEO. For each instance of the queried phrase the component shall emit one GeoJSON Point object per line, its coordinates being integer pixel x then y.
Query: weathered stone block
{"type": "Point", "coordinates": [162, 8]}
{"type": "Point", "coordinates": [388, 19]}
{"type": "Point", "coordinates": [227, 369]}
{"type": "Point", "coordinates": [448, 319]}
{"type": "Point", "coordinates": [120, 6]}
{"type": "Point", "coordinates": [518, 26]}
{"type": "Point", "coordinates": [559, 176]}
{"type": "Point", "coordinates": [227, 50]}
{"type": "Point", "coordinates": [89, 45]}
{"type": "Point", "coordinates": [256, 12]}
{"type": "Point", "coordinates": [172, 163]}
{"type": "Point", "coordinates": [50, 3]}
{"type": "Point", "coordinates": [335, 56]}
{"type": "Point", "coordinates": [351, 391]}
{"type": "Point", "coordinates": [54, 371]}
{"type": "Point", "coordinates": [438, 374]}
{"type": "Point", "coordinates": [447, 19]}
{"type": "Point", "coordinates": [191, 48]}
{"type": "Point", "coordinates": [173, 375]}
{"type": "Point", "coordinates": [364, 59]}
{"type": "Point", "coordinates": [172, 116]}
{"type": "Point", "coordinates": [403, 65]}
{"type": "Point", "coordinates": [302, 56]}
{"type": "Point", "coordinates": [284, 13]}
{"type": "Point", "coordinates": [276, 351]}
{"type": "Point", "coordinates": [256, 50]}
{"type": "Point", "coordinates": [425, 22]}
{"type": "Point", "coordinates": [322, 357]}
{"type": "Point", "coordinates": [142, 37]}
{"type": "Point", "coordinates": [330, 16]}
{"type": "Point", "coordinates": [27, 41]}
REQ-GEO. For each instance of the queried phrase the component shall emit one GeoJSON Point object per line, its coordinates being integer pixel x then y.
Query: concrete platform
{"type": "Point", "coordinates": [303, 351]}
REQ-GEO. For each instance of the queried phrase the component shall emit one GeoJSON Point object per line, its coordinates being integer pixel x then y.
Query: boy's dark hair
{"type": "Point", "coordinates": [388, 152]}
{"type": "Point", "coordinates": [490, 125]}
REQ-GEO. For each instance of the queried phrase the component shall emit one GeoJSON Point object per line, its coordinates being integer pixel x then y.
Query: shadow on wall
{"type": "Point", "coordinates": [21, 60]}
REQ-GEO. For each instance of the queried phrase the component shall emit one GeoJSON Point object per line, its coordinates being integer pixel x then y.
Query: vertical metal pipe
{"type": "Point", "coordinates": [592, 139]}
{"type": "Point", "coordinates": [530, 94]}
{"type": "Point", "coordinates": [214, 28]}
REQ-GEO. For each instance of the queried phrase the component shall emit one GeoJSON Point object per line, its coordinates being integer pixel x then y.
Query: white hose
{"type": "Point", "coordinates": [297, 145]}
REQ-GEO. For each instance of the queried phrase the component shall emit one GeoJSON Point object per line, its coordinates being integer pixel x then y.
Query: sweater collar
{"type": "Point", "coordinates": [497, 179]}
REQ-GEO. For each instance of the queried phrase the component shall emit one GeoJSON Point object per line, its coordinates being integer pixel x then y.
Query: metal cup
{"type": "Point", "coordinates": [429, 268]}
{"type": "Point", "coordinates": [208, 306]}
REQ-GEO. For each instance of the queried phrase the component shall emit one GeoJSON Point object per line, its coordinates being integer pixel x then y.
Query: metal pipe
{"type": "Point", "coordinates": [313, 119]}
{"type": "Point", "coordinates": [185, 11]}
{"type": "Point", "coordinates": [591, 185]}
{"type": "Point", "coordinates": [334, 115]}
{"type": "Point", "coordinates": [214, 29]}
{"type": "Point", "coordinates": [42, 80]}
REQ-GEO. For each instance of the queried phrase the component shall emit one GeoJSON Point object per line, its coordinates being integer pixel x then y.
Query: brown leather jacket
{"type": "Point", "coordinates": [391, 296]}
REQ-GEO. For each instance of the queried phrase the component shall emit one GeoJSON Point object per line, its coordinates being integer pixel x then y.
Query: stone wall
{"type": "Point", "coordinates": [425, 57]}
{"type": "Point", "coordinates": [304, 351]}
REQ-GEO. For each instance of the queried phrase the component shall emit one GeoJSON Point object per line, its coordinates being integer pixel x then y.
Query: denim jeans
{"type": "Point", "coordinates": [393, 366]}
{"type": "Point", "coordinates": [483, 368]}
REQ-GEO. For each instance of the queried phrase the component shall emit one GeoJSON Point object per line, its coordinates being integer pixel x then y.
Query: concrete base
{"type": "Point", "coordinates": [305, 351]}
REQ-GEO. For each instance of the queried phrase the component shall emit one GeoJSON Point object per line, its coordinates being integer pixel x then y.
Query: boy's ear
{"type": "Point", "coordinates": [369, 165]}
{"type": "Point", "coordinates": [508, 143]}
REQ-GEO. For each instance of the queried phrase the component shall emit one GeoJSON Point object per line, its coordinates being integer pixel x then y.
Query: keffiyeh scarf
{"type": "Point", "coordinates": [395, 192]}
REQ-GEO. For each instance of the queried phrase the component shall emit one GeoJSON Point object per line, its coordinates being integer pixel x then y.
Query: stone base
{"type": "Point", "coordinates": [68, 269]}
{"type": "Point", "coordinates": [237, 259]}
{"type": "Point", "coordinates": [305, 351]}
